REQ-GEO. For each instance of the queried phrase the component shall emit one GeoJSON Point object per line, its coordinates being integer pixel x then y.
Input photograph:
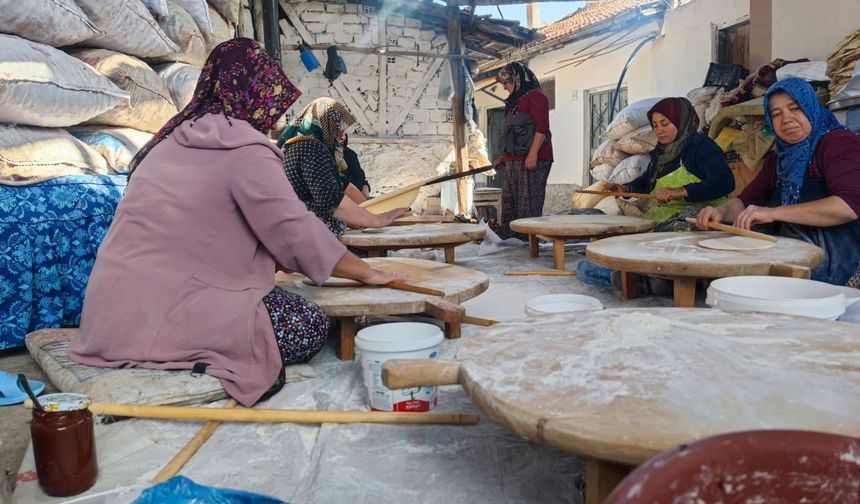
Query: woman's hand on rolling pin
{"type": "Point", "coordinates": [707, 215]}
{"type": "Point", "coordinates": [386, 218]}
{"type": "Point", "coordinates": [612, 187]}
{"type": "Point", "coordinates": [667, 195]}
{"type": "Point", "coordinates": [753, 215]}
{"type": "Point", "coordinates": [376, 277]}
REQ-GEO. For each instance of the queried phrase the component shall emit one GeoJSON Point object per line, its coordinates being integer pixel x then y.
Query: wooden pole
{"type": "Point", "coordinates": [271, 35]}
{"type": "Point", "coordinates": [461, 151]}
{"type": "Point", "coordinates": [180, 459]}
{"type": "Point", "coordinates": [193, 414]}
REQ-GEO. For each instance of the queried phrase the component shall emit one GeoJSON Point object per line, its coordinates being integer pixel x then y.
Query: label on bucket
{"type": "Point", "coordinates": [382, 398]}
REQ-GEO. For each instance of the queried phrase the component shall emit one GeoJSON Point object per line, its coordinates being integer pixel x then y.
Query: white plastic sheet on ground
{"type": "Point", "coordinates": [360, 464]}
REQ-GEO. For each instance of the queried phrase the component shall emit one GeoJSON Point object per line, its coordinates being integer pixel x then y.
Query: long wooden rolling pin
{"type": "Point", "coordinates": [400, 286]}
{"type": "Point", "coordinates": [736, 230]}
{"type": "Point", "coordinates": [188, 413]}
{"type": "Point", "coordinates": [619, 194]}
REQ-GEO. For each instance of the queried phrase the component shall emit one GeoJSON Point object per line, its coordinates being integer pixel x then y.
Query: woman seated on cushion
{"type": "Point", "coordinates": [313, 158]}
{"type": "Point", "coordinates": [688, 170]}
{"type": "Point", "coordinates": [186, 273]}
{"type": "Point", "coordinates": [809, 189]}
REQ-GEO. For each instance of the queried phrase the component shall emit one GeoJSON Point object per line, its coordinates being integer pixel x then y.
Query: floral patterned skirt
{"type": "Point", "coordinates": [301, 327]}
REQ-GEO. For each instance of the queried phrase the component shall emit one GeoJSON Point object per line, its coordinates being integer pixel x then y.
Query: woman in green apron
{"type": "Point", "coordinates": [687, 172]}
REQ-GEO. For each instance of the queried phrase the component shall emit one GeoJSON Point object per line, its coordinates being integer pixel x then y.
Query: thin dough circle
{"type": "Point", "coordinates": [736, 243]}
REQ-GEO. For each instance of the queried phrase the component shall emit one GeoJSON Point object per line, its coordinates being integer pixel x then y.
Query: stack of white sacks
{"type": "Point", "coordinates": [85, 83]}
{"type": "Point", "coordinates": [624, 154]}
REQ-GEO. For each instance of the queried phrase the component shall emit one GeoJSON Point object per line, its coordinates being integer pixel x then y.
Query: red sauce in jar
{"type": "Point", "coordinates": [64, 445]}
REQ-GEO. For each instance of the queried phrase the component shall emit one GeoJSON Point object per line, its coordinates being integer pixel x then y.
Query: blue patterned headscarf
{"type": "Point", "coordinates": [794, 159]}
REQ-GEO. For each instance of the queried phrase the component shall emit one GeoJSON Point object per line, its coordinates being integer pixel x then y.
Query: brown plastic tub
{"type": "Point", "coordinates": [755, 467]}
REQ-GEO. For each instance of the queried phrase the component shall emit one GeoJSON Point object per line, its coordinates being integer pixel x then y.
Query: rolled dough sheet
{"type": "Point", "coordinates": [737, 243]}
{"type": "Point", "coordinates": [334, 282]}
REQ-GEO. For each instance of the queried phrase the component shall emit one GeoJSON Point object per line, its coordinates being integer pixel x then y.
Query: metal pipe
{"type": "Point", "coordinates": [624, 72]}
{"type": "Point", "coordinates": [271, 37]}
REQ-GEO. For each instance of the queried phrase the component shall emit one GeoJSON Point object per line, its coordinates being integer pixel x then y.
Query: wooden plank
{"type": "Point", "coordinates": [601, 478]}
{"type": "Point", "coordinates": [460, 150]}
{"type": "Point", "coordinates": [382, 106]}
{"type": "Point", "coordinates": [400, 116]}
{"type": "Point", "coordinates": [257, 9]}
{"type": "Point", "coordinates": [348, 97]}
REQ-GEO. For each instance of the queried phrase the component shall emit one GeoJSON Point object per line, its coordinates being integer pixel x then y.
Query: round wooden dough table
{"type": "Point", "coordinates": [558, 228]}
{"type": "Point", "coordinates": [346, 303]}
{"type": "Point", "coordinates": [444, 236]}
{"type": "Point", "coordinates": [678, 257]}
{"type": "Point", "coordinates": [620, 386]}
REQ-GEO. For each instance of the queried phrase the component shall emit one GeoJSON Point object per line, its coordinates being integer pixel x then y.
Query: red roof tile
{"type": "Point", "coordinates": [593, 13]}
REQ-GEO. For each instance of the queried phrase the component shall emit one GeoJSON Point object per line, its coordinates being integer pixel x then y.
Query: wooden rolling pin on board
{"type": "Point", "coordinates": [619, 194]}
{"type": "Point", "coordinates": [736, 230]}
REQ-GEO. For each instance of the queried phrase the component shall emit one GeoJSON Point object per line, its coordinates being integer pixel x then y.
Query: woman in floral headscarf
{"type": "Point", "coordinates": [688, 171]}
{"type": "Point", "coordinates": [184, 278]}
{"type": "Point", "coordinates": [314, 161]}
{"type": "Point", "coordinates": [810, 189]}
{"type": "Point", "coordinates": [525, 151]}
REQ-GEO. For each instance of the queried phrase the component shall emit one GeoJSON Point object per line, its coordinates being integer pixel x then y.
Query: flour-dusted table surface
{"type": "Point", "coordinates": [620, 386]}
{"type": "Point", "coordinates": [677, 256]}
{"type": "Point", "coordinates": [345, 303]}
{"type": "Point", "coordinates": [558, 228]}
{"type": "Point", "coordinates": [444, 236]}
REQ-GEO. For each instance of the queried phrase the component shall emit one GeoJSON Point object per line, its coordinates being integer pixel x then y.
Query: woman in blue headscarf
{"type": "Point", "coordinates": [810, 189]}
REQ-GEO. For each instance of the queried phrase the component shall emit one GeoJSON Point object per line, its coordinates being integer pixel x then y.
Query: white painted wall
{"type": "Point", "coordinates": [678, 61]}
{"type": "Point", "coordinates": [672, 65]}
{"type": "Point", "coordinates": [812, 29]}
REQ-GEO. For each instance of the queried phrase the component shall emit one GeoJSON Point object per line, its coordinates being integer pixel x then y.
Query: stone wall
{"type": "Point", "coordinates": [405, 107]}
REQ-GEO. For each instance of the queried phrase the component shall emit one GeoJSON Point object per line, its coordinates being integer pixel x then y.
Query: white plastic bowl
{"type": "Point", "coordinates": [792, 296]}
{"type": "Point", "coordinates": [561, 303]}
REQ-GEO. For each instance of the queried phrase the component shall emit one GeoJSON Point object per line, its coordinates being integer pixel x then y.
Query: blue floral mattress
{"type": "Point", "coordinates": [49, 235]}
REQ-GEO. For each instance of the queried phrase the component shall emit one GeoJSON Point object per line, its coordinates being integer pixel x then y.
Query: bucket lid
{"type": "Point", "coordinates": [64, 402]}
{"type": "Point", "coordinates": [398, 337]}
{"type": "Point", "coordinates": [562, 303]}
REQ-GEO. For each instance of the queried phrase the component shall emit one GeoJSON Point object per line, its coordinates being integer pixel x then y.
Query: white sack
{"type": "Point", "coordinates": [630, 169]}
{"type": "Point", "coordinates": [181, 80]}
{"type": "Point", "coordinates": [633, 116]}
{"type": "Point", "coordinates": [150, 104]}
{"type": "Point", "coordinates": [128, 27]}
{"type": "Point", "coordinates": [116, 145]}
{"type": "Point", "coordinates": [54, 22]}
{"type": "Point", "coordinates": [43, 86]}
{"type": "Point", "coordinates": [639, 141]}
{"type": "Point", "coordinates": [183, 31]}
{"type": "Point", "coordinates": [606, 153]}
{"type": "Point", "coordinates": [34, 154]}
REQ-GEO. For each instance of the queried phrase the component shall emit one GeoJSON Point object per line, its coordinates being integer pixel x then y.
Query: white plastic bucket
{"type": "Point", "coordinates": [561, 303]}
{"type": "Point", "coordinates": [398, 340]}
{"type": "Point", "coordinates": [792, 296]}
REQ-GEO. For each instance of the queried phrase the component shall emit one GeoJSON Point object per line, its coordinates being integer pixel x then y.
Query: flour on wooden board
{"type": "Point", "coordinates": [737, 243]}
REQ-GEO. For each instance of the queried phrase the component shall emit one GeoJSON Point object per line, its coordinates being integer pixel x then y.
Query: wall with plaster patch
{"type": "Point", "coordinates": [407, 105]}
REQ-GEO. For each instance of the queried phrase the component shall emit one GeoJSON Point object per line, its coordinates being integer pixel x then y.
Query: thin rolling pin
{"type": "Point", "coordinates": [401, 286]}
{"type": "Point", "coordinates": [180, 459]}
{"type": "Point", "coordinates": [540, 272]}
{"type": "Point", "coordinates": [736, 230]}
{"type": "Point", "coordinates": [619, 194]}
{"type": "Point", "coordinates": [276, 416]}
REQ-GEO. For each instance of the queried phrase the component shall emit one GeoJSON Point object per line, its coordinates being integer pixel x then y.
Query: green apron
{"type": "Point", "coordinates": [675, 180]}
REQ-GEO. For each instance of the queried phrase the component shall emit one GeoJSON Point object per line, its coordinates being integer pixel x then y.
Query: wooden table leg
{"type": "Point", "coordinates": [629, 285]}
{"type": "Point", "coordinates": [601, 478]}
{"type": "Point", "coordinates": [374, 252]}
{"type": "Point", "coordinates": [449, 255]}
{"type": "Point", "coordinates": [558, 254]}
{"type": "Point", "coordinates": [448, 312]}
{"type": "Point", "coordinates": [346, 345]}
{"type": "Point", "coordinates": [533, 245]}
{"type": "Point", "coordinates": [685, 292]}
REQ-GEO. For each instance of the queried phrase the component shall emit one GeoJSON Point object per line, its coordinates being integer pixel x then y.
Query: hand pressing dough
{"type": "Point", "coordinates": [334, 282]}
{"type": "Point", "coordinates": [737, 243]}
